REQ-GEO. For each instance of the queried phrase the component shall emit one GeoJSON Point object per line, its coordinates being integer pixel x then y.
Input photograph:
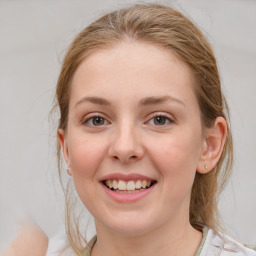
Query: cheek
{"type": "Point", "coordinates": [176, 158]}
{"type": "Point", "coordinates": [85, 155]}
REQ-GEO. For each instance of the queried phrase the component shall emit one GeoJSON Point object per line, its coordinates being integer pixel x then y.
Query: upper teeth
{"type": "Point", "coordinates": [128, 185]}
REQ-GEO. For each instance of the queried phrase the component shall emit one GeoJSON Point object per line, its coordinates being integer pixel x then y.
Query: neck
{"type": "Point", "coordinates": [181, 239]}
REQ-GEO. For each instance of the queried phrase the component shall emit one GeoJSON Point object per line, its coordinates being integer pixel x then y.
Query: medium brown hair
{"type": "Point", "coordinates": [162, 26]}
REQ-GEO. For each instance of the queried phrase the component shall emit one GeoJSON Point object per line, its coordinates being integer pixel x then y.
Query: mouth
{"type": "Point", "coordinates": [128, 187]}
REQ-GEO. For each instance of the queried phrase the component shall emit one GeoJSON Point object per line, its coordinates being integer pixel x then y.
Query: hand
{"type": "Point", "coordinates": [30, 241]}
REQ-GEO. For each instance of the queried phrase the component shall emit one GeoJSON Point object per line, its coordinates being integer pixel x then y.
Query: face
{"type": "Point", "coordinates": [134, 137]}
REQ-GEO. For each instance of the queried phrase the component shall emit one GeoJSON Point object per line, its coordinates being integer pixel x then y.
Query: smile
{"type": "Point", "coordinates": [131, 186]}
{"type": "Point", "coordinates": [128, 188]}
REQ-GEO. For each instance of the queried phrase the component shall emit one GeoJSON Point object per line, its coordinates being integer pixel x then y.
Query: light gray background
{"type": "Point", "coordinates": [33, 38]}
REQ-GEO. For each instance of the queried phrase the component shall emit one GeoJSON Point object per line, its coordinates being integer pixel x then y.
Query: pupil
{"type": "Point", "coordinates": [98, 121]}
{"type": "Point", "coordinates": [159, 120]}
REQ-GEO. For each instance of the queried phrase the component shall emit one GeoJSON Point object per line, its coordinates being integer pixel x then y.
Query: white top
{"type": "Point", "coordinates": [213, 244]}
{"type": "Point", "coordinates": [222, 245]}
{"type": "Point", "coordinates": [56, 244]}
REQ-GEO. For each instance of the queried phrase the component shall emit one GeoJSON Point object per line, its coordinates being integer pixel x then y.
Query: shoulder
{"type": "Point", "coordinates": [219, 244]}
{"type": "Point", "coordinates": [30, 241]}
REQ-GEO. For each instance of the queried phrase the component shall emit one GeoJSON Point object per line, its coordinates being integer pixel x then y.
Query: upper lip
{"type": "Point", "coordinates": [126, 177]}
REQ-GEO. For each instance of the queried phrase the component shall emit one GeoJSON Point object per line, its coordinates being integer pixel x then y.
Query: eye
{"type": "Point", "coordinates": [95, 121]}
{"type": "Point", "coordinates": [98, 120]}
{"type": "Point", "coordinates": [160, 120]}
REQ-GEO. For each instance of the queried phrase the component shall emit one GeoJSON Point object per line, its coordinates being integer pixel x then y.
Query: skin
{"type": "Point", "coordinates": [129, 139]}
{"type": "Point", "coordinates": [30, 241]}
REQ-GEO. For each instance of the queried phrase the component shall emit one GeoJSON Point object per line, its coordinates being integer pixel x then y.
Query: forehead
{"type": "Point", "coordinates": [136, 68]}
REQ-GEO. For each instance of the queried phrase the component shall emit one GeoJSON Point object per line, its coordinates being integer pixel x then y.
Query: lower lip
{"type": "Point", "coordinates": [129, 197]}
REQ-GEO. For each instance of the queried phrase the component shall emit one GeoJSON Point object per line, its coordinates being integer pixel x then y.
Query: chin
{"type": "Point", "coordinates": [131, 227]}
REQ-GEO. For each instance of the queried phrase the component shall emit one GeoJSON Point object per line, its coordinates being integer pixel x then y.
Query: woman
{"type": "Point", "coordinates": [144, 132]}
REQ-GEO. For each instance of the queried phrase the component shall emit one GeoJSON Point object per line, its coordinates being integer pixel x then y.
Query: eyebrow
{"type": "Point", "coordinates": [159, 100]}
{"type": "Point", "coordinates": [94, 100]}
{"type": "Point", "coordinates": [144, 102]}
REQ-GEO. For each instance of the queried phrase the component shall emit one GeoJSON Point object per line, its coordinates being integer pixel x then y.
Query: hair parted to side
{"type": "Point", "coordinates": [165, 27]}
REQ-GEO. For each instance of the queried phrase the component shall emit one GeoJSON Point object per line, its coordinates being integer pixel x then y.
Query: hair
{"type": "Point", "coordinates": [164, 27]}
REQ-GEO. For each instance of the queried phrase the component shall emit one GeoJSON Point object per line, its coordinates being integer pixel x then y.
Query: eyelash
{"type": "Point", "coordinates": [166, 117]}
{"type": "Point", "coordinates": [152, 118]}
{"type": "Point", "coordinates": [91, 118]}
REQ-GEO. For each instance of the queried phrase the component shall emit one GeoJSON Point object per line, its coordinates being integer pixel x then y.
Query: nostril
{"type": "Point", "coordinates": [131, 157]}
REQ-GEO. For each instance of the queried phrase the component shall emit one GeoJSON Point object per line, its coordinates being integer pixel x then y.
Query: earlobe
{"type": "Point", "coordinates": [63, 143]}
{"type": "Point", "coordinates": [213, 144]}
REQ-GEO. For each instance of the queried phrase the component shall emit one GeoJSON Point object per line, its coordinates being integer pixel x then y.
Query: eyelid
{"type": "Point", "coordinates": [161, 114]}
{"type": "Point", "coordinates": [150, 117]}
{"type": "Point", "coordinates": [89, 116]}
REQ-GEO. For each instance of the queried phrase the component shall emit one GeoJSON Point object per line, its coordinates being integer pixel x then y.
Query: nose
{"type": "Point", "coordinates": [125, 144]}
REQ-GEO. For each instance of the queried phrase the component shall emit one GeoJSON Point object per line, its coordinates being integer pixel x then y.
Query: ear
{"type": "Point", "coordinates": [214, 140]}
{"type": "Point", "coordinates": [62, 138]}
